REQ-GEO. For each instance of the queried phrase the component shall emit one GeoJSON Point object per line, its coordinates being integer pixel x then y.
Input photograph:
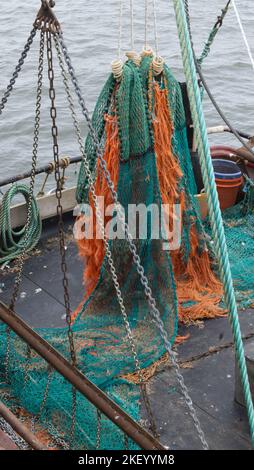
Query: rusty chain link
{"type": "Point", "coordinates": [21, 258]}
{"type": "Point", "coordinates": [17, 70]}
{"type": "Point", "coordinates": [98, 434]}
{"type": "Point", "coordinates": [154, 311]}
{"type": "Point", "coordinates": [53, 114]}
{"type": "Point", "coordinates": [142, 385]}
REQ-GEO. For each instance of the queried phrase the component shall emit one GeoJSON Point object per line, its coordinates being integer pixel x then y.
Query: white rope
{"type": "Point", "coordinates": [155, 28]}
{"type": "Point", "coordinates": [158, 62]}
{"type": "Point", "coordinates": [132, 54]}
{"type": "Point", "coordinates": [120, 29]}
{"type": "Point", "coordinates": [146, 23]}
{"type": "Point", "coordinates": [132, 24]}
{"type": "Point", "coordinates": [147, 51]}
{"type": "Point", "coordinates": [243, 33]}
{"type": "Point", "coordinates": [117, 65]}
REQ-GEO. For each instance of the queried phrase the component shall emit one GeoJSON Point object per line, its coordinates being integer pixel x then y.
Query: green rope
{"type": "Point", "coordinates": [12, 240]}
{"type": "Point", "coordinates": [213, 202]}
{"type": "Point", "coordinates": [213, 34]}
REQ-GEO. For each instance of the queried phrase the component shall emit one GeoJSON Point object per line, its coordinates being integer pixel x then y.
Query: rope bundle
{"type": "Point", "coordinates": [12, 241]}
{"type": "Point", "coordinates": [158, 62]}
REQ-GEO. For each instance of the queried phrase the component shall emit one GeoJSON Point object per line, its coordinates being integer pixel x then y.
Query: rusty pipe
{"type": "Point", "coordinates": [20, 428]}
{"type": "Point", "coordinates": [40, 170]}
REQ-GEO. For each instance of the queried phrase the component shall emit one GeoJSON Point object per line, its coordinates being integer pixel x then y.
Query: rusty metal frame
{"type": "Point", "coordinates": [94, 395]}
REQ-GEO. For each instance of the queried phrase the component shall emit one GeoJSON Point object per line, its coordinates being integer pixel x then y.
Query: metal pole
{"type": "Point", "coordinates": [27, 174]}
{"type": "Point", "coordinates": [19, 428]}
{"type": "Point", "coordinates": [98, 398]}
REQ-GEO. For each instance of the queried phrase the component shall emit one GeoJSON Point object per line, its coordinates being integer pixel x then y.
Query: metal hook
{"type": "Point", "coordinates": [46, 19]}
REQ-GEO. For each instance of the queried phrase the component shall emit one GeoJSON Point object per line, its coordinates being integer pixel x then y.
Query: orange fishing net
{"type": "Point", "coordinates": [195, 280]}
{"type": "Point", "coordinates": [92, 249]}
{"type": "Point", "coordinates": [196, 283]}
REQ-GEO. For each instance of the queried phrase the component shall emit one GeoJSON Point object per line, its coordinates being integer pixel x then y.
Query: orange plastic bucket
{"type": "Point", "coordinates": [228, 191]}
{"type": "Point", "coordinates": [229, 182]}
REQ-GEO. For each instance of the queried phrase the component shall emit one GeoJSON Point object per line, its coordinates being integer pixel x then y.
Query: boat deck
{"type": "Point", "coordinates": [206, 359]}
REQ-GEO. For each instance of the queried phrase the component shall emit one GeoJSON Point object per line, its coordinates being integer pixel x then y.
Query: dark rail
{"type": "Point", "coordinates": [39, 170]}
{"type": "Point", "coordinates": [20, 428]}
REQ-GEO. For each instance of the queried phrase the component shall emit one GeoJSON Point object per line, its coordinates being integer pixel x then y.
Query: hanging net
{"type": "Point", "coordinates": [146, 149]}
{"type": "Point", "coordinates": [140, 123]}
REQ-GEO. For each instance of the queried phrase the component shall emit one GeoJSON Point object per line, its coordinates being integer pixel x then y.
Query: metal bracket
{"type": "Point", "coordinates": [46, 20]}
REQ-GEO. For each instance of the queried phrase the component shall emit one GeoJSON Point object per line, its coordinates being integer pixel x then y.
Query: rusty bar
{"type": "Point", "coordinates": [40, 170]}
{"type": "Point", "coordinates": [20, 428]}
{"type": "Point", "coordinates": [98, 398]}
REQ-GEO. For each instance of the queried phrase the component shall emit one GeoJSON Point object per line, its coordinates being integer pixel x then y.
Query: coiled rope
{"type": "Point", "coordinates": [12, 240]}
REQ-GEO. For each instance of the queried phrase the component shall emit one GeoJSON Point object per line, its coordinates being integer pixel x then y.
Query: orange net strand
{"type": "Point", "coordinates": [195, 280]}
{"type": "Point", "coordinates": [92, 250]}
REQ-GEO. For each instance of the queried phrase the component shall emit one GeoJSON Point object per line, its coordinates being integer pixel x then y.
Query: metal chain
{"type": "Point", "coordinates": [106, 243]}
{"type": "Point", "coordinates": [29, 212]}
{"type": "Point", "coordinates": [7, 353]}
{"type": "Point", "coordinates": [17, 70]}
{"type": "Point", "coordinates": [98, 434]}
{"type": "Point", "coordinates": [21, 258]}
{"type": "Point", "coordinates": [46, 392]}
{"type": "Point", "coordinates": [20, 443]}
{"type": "Point", "coordinates": [137, 261]}
{"type": "Point", "coordinates": [27, 363]}
{"type": "Point", "coordinates": [37, 417]}
{"type": "Point", "coordinates": [126, 442]}
{"type": "Point", "coordinates": [53, 114]}
{"type": "Point", "coordinates": [73, 417]}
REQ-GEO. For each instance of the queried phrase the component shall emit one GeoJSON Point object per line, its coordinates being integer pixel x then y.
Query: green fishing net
{"type": "Point", "coordinates": [239, 230]}
{"type": "Point", "coordinates": [103, 351]}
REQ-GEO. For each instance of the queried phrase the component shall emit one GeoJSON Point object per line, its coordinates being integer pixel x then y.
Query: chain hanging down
{"type": "Point", "coordinates": [152, 303]}
{"type": "Point", "coordinates": [17, 70]}
{"type": "Point", "coordinates": [53, 114]}
{"type": "Point", "coordinates": [137, 261]}
{"type": "Point", "coordinates": [21, 259]}
{"type": "Point", "coordinates": [106, 244]}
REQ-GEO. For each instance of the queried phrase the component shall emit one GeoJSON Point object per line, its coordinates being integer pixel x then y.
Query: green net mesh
{"type": "Point", "coordinates": [103, 351]}
{"type": "Point", "coordinates": [239, 230]}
